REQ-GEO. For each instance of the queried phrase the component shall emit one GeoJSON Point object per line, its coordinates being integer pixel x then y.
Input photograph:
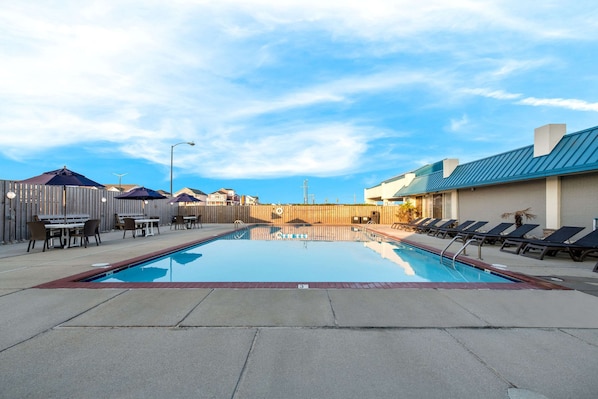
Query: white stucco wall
{"type": "Point", "coordinates": [488, 203]}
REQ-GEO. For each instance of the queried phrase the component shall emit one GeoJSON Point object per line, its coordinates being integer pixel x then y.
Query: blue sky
{"type": "Point", "coordinates": [343, 94]}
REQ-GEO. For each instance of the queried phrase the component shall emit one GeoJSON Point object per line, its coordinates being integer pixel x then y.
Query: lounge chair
{"type": "Point", "coordinates": [496, 230]}
{"type": "Point", "coordinates": [411, 225]}
{"type": "Point", "coordinates": [396, 225]}
{"type": "Point", "coordinates": [89, 230]}
{"type": "Point", "coordinates": [427, 228]}
{"type": "Point", "coordinates": [444, 231]}
{"type": "Point", "coordinates": [429, 223]}
{"type": "Point", "coordinates": [519, 232]}
{"type": "Point", "coordinates": [460, 226]}
{"type": "Point", "coordinates": [515, 245]}
{"type": "Point", "coordinates": [578, 250]}
{"type": "Point", "coordinates": [467, 232]}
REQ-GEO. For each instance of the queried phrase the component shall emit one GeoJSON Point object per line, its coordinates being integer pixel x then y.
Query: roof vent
{"type": "Point", "coordinates": [547, 137]}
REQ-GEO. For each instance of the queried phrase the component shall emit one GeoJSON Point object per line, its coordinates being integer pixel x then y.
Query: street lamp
{"type": "Point", "coordinates": [171, 161]}
{"type": "Point", "coordinates": [10, 195]}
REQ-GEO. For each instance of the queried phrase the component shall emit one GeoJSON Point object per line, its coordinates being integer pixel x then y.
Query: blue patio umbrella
{"type": "Point", "coordinates": [62, 177]}
{"type": "Point", "coordinates": [142, 194]}
{"type": "Point", "coordinates": [184, 197]}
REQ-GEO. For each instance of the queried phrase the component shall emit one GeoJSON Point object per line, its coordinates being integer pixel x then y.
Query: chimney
{"type": "Point", "coordinates": [448, 166]}
{"type": "Point", "coordinates": [547, 137]}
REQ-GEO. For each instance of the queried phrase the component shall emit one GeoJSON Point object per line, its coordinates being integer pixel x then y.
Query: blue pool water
{"type": "Point", "coordinates": [301, 254]}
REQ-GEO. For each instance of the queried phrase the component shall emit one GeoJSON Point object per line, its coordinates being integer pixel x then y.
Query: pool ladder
{"type": "Point", "coordinates": [463, 249]}
{"type": "Point", "coordinates": [239, 224]}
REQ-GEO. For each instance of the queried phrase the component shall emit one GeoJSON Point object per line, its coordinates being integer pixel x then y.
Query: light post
{"type": "Point", "coordinates": [10, 195]}
{"type": "Point", "coordinates": [172, 158]}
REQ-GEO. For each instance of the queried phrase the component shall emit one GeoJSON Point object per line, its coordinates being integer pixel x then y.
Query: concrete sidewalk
{"type": "Point", "coordinates": [291, 343]}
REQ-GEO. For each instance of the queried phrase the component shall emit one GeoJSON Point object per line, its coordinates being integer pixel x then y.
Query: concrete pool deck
{"type": "Point", "coordinates": [291, 343]}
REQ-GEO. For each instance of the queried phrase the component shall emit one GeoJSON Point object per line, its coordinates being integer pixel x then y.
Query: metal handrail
{"type": "Point", "coordinates": [463, 249]}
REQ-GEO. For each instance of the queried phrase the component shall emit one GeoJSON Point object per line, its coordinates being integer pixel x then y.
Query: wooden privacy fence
{"type": "Point", "coordinates": [31, 200]}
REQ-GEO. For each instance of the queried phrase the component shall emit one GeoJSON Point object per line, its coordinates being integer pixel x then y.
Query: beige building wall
{"type": "Point", "coordinates": [579, 200]}
{"type": "Point", "coordinates": [488, 203]}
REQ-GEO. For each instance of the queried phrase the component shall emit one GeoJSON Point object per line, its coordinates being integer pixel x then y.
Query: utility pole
{"type": "Point", "coordinates": [120, 176]}
{"type": "Point", "coordinates": [305, 192]}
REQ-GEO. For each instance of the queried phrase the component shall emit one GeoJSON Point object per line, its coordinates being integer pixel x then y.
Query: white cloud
{"type": "Point", "coordinates": [138, 75]}
{"type": "Point", "coordinates": [497, 94]}
{"type": "Point", "coordinates": [568, 103]}
{"type": "Point", "coordinates": [458, 124]}
{"type": "Point", "coordinates": [315, 150]}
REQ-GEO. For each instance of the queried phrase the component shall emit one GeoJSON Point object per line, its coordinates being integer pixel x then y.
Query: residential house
{"type": "Point", "coordinates": [223, 197]}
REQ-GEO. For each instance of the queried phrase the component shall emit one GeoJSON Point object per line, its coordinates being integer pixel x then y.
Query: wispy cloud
{"type": "Point", "coordinates": [269, 88]}
{"type": "Point", "coordinates": [568, 103]}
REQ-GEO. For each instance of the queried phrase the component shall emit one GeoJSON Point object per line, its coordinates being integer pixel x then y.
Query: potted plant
{"type": "Point", "coordinates": [406, 212]}
{"type": "Point", "coordinates": [519, 215]}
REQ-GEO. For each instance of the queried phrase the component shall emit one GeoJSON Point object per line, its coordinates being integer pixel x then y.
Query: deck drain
{"type": "Point", "coordinates": [100, 265]}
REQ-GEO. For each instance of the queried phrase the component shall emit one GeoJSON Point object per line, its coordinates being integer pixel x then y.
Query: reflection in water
{"type": "Point", "coordinates": [301, 254]}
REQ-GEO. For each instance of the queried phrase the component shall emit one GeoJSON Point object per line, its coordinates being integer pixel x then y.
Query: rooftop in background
{"type": "Point", "coordinates": [573, 153]}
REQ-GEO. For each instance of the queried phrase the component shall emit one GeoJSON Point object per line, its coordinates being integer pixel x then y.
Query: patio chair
{"type": "Point", "coordinates": [444, 230]}
{"type": "Point", "coordinates": [97, 233]}
{"type": "Point", "coordinates": [53, 234]}
{"type": "Point", "coordinates": [519, 232]}
{"type": "Point", "coordinates": [194, 222]}
{"type": "Point", "coordinates": [178, 222]}
{"type": "Point", "coordinates": [515, 245]}
{"type": "Point", "coordinates": [578, 250]}
{"type": "Point", "coordinates": [129, 225]}
{"type": "Point", "coordinates": [89, 230]}
{"type": "Point", "coordinates": [38, 231]}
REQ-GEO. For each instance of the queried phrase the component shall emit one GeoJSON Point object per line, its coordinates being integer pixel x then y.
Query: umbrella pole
{"type": "Point", "coordinates": [64, 201]}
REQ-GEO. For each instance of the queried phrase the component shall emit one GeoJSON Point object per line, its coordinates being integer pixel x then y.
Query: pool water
{"type": "Point", "coordinates": [301, 254]}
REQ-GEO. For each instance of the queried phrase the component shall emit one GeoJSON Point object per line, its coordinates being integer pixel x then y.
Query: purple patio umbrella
{"type": "Point", "coordinates": [141, 193]}
{"type": "Point", "coordinates": [184, 197]}
{"type": "Point", "coordinates": [62, 177]}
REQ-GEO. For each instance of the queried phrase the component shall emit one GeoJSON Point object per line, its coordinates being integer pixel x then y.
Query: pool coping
{"type": "Point", "coordinates": [522, 281]}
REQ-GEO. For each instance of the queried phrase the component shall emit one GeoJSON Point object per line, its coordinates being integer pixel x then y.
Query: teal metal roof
{"type": "Point", "coordinates": [574, 153]}
{"type": "Point", "coordinates": [424, 170]}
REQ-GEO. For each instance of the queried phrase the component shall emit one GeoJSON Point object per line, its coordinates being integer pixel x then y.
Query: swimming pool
{"type": "Point", "coordinates": [301, 255]}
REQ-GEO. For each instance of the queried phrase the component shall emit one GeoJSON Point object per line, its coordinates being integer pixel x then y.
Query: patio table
{"type": "Point", "coordinates": [190, 221]}
{"type": "Point", "coordinates": [149, 225]}
{"type": "Point", "coordinates": [65, 229]}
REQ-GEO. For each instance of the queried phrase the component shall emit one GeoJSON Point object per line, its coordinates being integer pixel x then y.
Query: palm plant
{"type": "Point", "coordinates": [519, 215]}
